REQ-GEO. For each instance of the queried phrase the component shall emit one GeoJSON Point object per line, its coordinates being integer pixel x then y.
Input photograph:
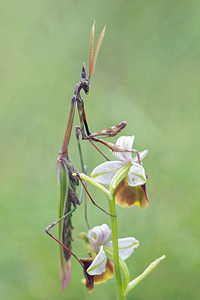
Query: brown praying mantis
{"type": "Point", "coordinates": [68, 198]}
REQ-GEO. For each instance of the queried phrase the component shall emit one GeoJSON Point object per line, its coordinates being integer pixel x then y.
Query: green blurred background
{"type": "Point", "coordinates": [148, 74]}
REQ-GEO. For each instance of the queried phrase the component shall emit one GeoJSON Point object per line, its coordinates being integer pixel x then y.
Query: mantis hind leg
{"type": "Point", "coordinates": [59, 242]}
{"type": "Point", "coordinates": [61, 219]}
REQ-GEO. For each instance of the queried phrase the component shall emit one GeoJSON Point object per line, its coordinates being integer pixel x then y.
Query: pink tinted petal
{"type": "Point", "coordinates": [105, 172]}
{"type": "Point", "coordinates": [124, 142]}
{"type": "Point", "coordinates": [106, 233]}
{"type": "Point", "coordinates": [94, 236]}
{"type": "Point", "coordinates": [99, 235]}
{"type": "Point", "coordinates": [136, 175]}
{"type": "Point", "coordinates": [142, 156]}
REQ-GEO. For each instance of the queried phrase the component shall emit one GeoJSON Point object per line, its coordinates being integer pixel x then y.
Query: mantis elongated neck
{"type": "Point", "coordinates": [64, 149]}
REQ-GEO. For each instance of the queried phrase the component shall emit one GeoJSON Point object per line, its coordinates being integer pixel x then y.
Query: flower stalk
{"type": "Point", "coordinates": [112, 207]}
{"type": "Point", "coordinates": [126, 180]}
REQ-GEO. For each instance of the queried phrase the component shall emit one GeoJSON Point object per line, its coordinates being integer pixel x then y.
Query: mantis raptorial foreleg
{"type": "Point", "coordinates": [110, 132]}
{"type": "Point", "coordinates": [116, 148]}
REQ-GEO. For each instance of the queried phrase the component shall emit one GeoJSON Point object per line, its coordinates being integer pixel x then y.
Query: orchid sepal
{"type": "Point", "coordinates": [98, 266]}
{"type": "Point", "coordinates": [104, 172]}
{"type": "Point", "coordinates": [126, 246]}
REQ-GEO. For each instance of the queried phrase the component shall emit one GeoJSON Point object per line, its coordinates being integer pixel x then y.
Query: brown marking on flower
{"type": "Point", "coordinates": [126, 195]}
{"type": "Point", "coordinates": [91, 279]}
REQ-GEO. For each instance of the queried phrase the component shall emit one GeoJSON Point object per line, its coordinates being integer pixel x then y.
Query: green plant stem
{"type": "Point", "coordinates": [111, 200]}
{"type": "Point", "coordinates": [115, 181]}
{"type": "Point", "coordinates": [112, 207]}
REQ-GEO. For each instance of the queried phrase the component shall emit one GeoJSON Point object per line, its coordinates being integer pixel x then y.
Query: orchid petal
{"type": "Point", "coordinates": [126, 246]}
{"type": "Point", "coordinates": [136, 175]}
{"type": "Point", "coordinates": [124, 142]}
{"type": "Point", "coordinates": [98, 265]}
{"type": "Point", "coordinates": [142, 156]}
{"type": "Point", "coordinates": [105, 172]}
{"type": "Point", "coordinates": [99, 235]}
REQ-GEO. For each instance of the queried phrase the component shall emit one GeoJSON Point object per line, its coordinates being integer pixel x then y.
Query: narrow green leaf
{"type": "Point", "coordinates": [63, 181]}
{"type": "Point", "coordinates": [63, 184]}
{"type": "Point", "coordinates": [150, 268]}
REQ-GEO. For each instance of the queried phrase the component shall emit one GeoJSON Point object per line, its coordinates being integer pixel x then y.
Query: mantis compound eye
{"type": "Point", "coordinates": [85, 86]}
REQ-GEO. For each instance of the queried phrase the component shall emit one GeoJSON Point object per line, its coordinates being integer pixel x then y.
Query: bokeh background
{"type": "Point", "coordinates": [148, 74]}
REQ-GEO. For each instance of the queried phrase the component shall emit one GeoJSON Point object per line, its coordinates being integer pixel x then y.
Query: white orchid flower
{"type": "Point", "coordinates": [130, 189]}
{"type": "Point", "coordinates": [98, 238]}
{"type": "Point", "coordinates": [105, 172]}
